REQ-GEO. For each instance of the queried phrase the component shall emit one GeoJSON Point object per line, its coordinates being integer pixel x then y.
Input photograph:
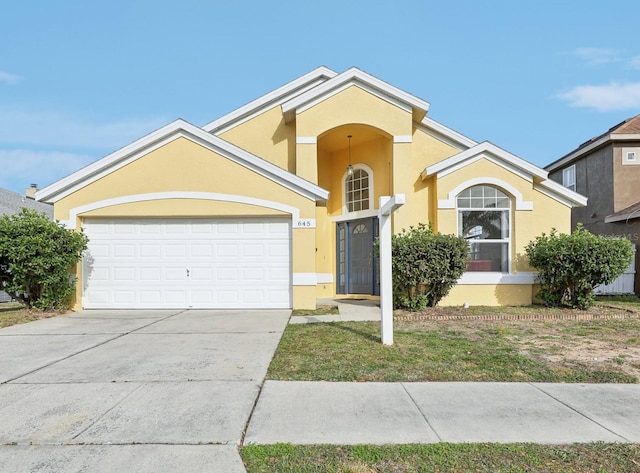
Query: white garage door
{"type": "Point", "coordinates": [187, 263]}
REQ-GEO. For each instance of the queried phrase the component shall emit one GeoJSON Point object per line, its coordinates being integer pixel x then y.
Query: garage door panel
{"type": "Point", "coordinates": [182, 263]}
{"type": "Point", "coordinates": [149, 297]}
{"type": "Point", "coordinates": [150, 250]}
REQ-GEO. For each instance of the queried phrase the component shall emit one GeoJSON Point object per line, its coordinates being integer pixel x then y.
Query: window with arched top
{"type": "Point", "coordinates": [484, 216]}
{"type": "Point", "coordinates": [357, 190]}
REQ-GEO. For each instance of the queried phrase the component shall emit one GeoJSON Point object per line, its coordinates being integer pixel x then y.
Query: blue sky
{"type": "Point", "coordinates": [81, 79]}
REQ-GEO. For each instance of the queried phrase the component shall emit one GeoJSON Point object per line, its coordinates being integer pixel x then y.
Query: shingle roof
{"type": "Point", "coordinates": [12, 202]}
{"type": "Point", "coordinates": [631, 125]}
{"type": "Point", "coordinates": [628, 213]}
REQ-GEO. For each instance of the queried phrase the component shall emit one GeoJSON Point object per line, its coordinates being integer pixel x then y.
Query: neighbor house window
{"type": "Point", "coordinates": [484, 215]}
{"type": "Point", "coordinates": [357, 189]}
{"type": "Point", "coordinates": [631, 155]}
{"type": "Point", "coordinates": [569, 177]}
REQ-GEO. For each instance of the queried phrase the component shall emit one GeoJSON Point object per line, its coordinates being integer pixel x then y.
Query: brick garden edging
{"type": "Point", "coordinates": [628, 314]}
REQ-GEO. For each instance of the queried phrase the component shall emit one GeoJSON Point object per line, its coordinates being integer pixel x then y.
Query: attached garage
{"type": "Point", "coordinates": [135, 263]}
{"type": "Point", "coordinates": [183, 219]}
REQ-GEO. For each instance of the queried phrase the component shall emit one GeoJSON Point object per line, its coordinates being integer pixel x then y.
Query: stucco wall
{"type": "Point", "coordinates": [185, 166]}
{"type": "Point", "coordinates": [626, 177]}
{"type": "Point", "coordinates": [267, 136]}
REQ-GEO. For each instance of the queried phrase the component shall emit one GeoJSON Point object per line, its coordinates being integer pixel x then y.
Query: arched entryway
{"type": "Point", "coordinates": [354, 163]}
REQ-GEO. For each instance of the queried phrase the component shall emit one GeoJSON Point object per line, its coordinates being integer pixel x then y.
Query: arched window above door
{"type": "Point", "coordinates": [358, 189]}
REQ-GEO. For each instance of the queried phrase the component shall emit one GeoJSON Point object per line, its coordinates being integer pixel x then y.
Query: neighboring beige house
{"type": "Point", "coordinates": [275, 204]}
{"type": "Point", "coordinates": [606, 169]}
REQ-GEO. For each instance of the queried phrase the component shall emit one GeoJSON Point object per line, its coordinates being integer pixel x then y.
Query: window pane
{"type": "Point", "coordinates": [476, 191]}
{"type": "Point", "coordinates": [483, 197]}
{"type": "Point", "coordinates": [464, 202]}
{"type": "Point", "coordinates": [504, 202]}
{"type": "Point", "coordinates": [487, 256]}
{"type": "Point", "coordinates": [357, 191]}
{"type": "Point", "coordinates": [484, 225]}
{"type": "Point", "coordinates": [476, 203]}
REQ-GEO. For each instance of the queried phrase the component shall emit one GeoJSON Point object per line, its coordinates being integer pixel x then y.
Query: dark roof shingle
{"type": "Point", "coordinates": [12, 203]}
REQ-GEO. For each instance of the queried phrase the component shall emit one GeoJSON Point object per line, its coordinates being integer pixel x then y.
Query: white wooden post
{"type": "Point", "coordinates": [388, 205]}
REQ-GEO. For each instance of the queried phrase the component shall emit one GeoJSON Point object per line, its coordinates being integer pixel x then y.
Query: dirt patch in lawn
{"type": "Point", "coordinates": [602, 339]}
{"type": "Point", "coordinates": [13, 314]}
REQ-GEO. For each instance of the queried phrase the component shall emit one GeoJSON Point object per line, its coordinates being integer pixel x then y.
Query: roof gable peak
{"type": "Point", "coordinates": [168, 133]}
{"type": "Point", "coordinates": [354, 76]}
{"type": "Point", "coordinates": [272, 99]}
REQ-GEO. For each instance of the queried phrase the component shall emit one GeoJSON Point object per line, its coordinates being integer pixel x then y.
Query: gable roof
{"type": "Point", "coordinates": [627, 130]}
{"type": "Point", "coordinates": [445, 134]}
{"type": "Point", "coordinates": [354, 76]}
{"type": "Point", "coordinates": [526, 170]}
{"type": "Point", "coordinates": [167, 134]}
{"type": "Point", "coordinates": [12, 203]}
{"type": "Point", "coordinates": [310, 82]}
{"type": "Point", "coordinates": [628, 213]}
{"type": "Point", "coordinates": [272, 99]}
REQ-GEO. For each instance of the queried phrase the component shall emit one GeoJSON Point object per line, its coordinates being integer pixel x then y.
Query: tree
{"type": "Point", "coordinates": [425, 265]}
{"type": "Point", "coordinates": [571, 266]}
{"type": "Point", "coordinates": [36, 255]}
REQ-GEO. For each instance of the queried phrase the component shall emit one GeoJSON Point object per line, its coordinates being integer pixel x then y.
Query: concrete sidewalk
{"type": "Point", "coordinates": [350, 310]}
{"type": "Point", "coordinates": [396, 413]}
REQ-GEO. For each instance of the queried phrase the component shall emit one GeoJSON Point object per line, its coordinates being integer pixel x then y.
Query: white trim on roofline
{"type": "Point", "coordinates": [623, 217]}
{"type": "Point", "coordinates": [445, 134]}
{"type": "Point", "coordinates": [578, 153]}
{"type": "Point", "coordinates": [561, 193]}
{"type": "Point", "coordinates": [272, 99]}
{"type": "Point", "coordinates": [511, 162]}
{"type": "Point", "coordinates": [352, 76]}
{"type": "Point", "coordinates": [164, 135]}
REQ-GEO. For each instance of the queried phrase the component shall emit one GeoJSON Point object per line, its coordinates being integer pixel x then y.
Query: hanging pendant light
{"type": "Point", "coordinates": [349, 167]}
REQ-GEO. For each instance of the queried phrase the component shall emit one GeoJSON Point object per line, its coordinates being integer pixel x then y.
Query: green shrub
{"type": "Point", "coordinates": [426, 265]}
{"type": "Point", "coordinates": [36, 255]}
{"type": "Point", "coordinates": [571, 266]}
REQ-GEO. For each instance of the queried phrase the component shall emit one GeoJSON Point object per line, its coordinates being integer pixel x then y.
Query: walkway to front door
{"type": "Point", "coordinates": [356, 262]}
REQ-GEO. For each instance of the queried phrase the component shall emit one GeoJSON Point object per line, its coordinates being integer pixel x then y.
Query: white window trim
{"type": "Point", "coordinates": [565, 172]}
{"type": "Point", "coordinates": [369, 171]}
{"type": "Point", "coordinates": [509, 212]}
{"type": "Point", "coordinates": [451, 203]}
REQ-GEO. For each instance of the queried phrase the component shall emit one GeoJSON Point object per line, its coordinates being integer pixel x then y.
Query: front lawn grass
{"type": "Point", "coordinates": [462, 350]}
{"type": "Point", "coordinates": [321, 310]}
{"type": "Point", "coordinates": [443, 457]}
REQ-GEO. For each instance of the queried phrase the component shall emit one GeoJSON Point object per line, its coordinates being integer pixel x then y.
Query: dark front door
{"type": "Point", "coordinates": [361, 257]}
{"type": "Point", "coordinates": [357, 266]}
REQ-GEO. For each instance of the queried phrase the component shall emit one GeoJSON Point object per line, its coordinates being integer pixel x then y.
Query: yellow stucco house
{"type": "Point", "coordinates": [275, 204]}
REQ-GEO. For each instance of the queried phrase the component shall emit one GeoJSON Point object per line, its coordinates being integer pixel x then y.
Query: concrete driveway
{"type": "Point", "coordinates": [143, 391]}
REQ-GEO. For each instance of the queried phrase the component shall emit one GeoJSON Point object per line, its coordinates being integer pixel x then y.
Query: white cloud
{"type": "Point", "coordinates": [7, 78]}
{"type": "Point", "coordinates": [605, 98]}
{"type": "Point", "coordinates": [634, 62]}
{"type": "Point", "coordinates": [53, 129]}
{"type": "Point", "coordinates": [597, 56]}
{"type": "Point", "coordinates": [22, 167]}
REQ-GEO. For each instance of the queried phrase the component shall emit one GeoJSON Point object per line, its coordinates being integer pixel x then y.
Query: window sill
{"type": "Point", "coordinates": [481, 277]}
